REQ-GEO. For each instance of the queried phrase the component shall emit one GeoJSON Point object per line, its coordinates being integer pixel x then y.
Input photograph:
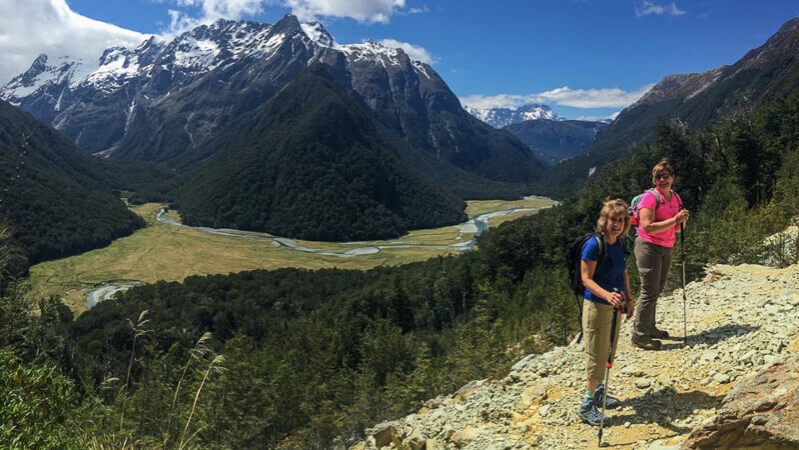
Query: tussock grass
{"type": "Point", "coordinates": [166, 252]}
{"type": "Point", "coordinates": [476, 207]}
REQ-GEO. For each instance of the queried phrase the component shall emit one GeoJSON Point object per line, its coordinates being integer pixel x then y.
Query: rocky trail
{"type": "Point", "coordinates": [742, 325]}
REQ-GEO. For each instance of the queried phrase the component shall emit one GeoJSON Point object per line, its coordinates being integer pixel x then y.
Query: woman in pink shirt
{"type": "Point", "coordinates": [660, 216]}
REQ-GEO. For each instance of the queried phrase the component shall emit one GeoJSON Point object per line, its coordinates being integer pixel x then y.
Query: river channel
{"type": "Point", "coordinates": [474, 227]}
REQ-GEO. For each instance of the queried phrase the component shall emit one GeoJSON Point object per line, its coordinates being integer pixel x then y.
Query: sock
{"type": "Point", "coordinates": [588, 394]}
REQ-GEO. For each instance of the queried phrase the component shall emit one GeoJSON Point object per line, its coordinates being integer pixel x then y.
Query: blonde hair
{"type": "Point", "coordinates": [664, 164]}
{"type": "Point", "coordinates": [613, 208]}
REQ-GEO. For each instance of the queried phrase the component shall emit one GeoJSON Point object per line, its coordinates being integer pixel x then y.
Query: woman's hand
{"type": "Point", "coordinates": [682, 216]}
{"type": "Point", "coordinates": [630, 307]}
{"type": "Point", "coordinates": [615, 298]}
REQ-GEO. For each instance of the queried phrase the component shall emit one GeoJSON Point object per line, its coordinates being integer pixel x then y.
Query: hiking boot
{"type": "Point", "coordinates": [589, 413]}
{"type": "Point", "coordinates": [599, 398]}
{"type": "Point", "coordinates": [660, 334]}
{"type": "Point", "coordinates": [647, 344]}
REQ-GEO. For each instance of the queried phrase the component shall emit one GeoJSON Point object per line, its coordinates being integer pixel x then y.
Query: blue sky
{"type": "Point", "coordinates": [584, 58]}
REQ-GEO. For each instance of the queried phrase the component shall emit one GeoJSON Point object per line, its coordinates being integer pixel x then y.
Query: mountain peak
{"type": "Point", "coordinates": [43, 74]}
{"type": "Point", "coordinates": [372, 50]}
{"type": "Point", "coordinates": [318, 34]}
{"type": "Point", "coordinates": [289, 25]}
{"type": "Point", "coordinates": [38, 66]}
{"type": "Point", "coordinates": [201, 82]}
{"type": "Point", "coordinates": [501, 117]}
{"type": "Point", "coordinates": [782, 46]}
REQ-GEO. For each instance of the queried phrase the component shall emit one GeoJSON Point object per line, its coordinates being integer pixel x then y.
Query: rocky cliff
{"type": "Point", "coordinates": [733, 385]}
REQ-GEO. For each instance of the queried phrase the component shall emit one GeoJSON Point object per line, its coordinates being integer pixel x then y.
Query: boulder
{"type": "Point", "coordinates": [386, 433]}
{"type": "Point", "coordinates": [761, 412]}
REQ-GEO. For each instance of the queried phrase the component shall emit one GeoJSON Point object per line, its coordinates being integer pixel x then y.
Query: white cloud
{"type": "Point", "coordinates": [31, 27]}
{"type": "Point", "coordinates": [416, 53]}
{"type": "Point", "coordinates": [563, 96]}
{"type": "Point", "coordinates": [369, 11]}
{"type": "Point", "coordinates": [211, 11]}
{"type": "Point", "coordinates": [648, 7]}
{"type": "Point", "coordinates": [593, 98]}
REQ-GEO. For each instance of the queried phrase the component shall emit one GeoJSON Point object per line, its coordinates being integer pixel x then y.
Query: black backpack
{"type": "Point", "coordinates": [573, 253]}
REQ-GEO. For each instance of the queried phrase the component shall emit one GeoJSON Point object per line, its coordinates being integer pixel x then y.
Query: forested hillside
{"type": "Point", "coordinates": [293, 134]}
{"type": "Point", "coordinates": [56, 199]}
{"type": "Point", "coordinates": [300, 359]}
{"type": "Point", "coordinates": [698, 100]}
{"type": "Point", "coordinates": [286, 173]}
{"type": "Point", "coordinates": [554, 141]}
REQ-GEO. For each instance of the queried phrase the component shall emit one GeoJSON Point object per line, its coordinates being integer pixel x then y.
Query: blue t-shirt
{"type": "Point", "coordinates": [610, 272]}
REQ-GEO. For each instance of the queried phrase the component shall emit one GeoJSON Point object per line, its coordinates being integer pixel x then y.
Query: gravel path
{"type": "Point", "coordinates": [740, 319]}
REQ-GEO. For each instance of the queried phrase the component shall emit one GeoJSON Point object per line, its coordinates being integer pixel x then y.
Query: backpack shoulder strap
{"type": "Point", "coordinates": [658, 198]}
{"type": "Point", "coordinates": [600, 240]}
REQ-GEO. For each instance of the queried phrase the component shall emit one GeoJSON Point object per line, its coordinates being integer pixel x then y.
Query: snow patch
{"type": "Point", "coordinates": [318, 34]}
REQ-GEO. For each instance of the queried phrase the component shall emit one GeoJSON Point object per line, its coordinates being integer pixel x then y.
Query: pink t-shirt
{"type": "Point", "coordinates": [666, 210]}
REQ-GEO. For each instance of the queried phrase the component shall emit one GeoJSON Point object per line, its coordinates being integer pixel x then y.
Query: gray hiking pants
{"type": "Point", "coordinates": [653, 262]}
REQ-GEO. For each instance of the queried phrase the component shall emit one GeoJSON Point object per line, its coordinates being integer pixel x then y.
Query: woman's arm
{"type": "Point", "coordinates": [587, 269]}
{"type": "Point", "coordinates": [648, 224]}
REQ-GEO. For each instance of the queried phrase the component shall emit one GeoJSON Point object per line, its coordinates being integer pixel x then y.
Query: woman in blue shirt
{"type": "Point", "coordinates": [607, 286]}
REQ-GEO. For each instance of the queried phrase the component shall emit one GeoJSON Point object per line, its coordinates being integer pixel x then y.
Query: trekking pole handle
{"type": "Point", "coordinates": [622, 307]}
{"type": "Point", "coordinates": [683, 218]}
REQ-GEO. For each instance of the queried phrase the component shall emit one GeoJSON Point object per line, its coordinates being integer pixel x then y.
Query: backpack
{"type": "Point", "coordinates": [634, 218]}
{"type": "Point", "coordinates": [574, 252]}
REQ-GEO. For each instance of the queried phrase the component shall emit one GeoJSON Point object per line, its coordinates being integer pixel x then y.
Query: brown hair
{"type": "Point", "coordinates": [613, 208]}
{"type": "Point", "coordinates": [664, 164]}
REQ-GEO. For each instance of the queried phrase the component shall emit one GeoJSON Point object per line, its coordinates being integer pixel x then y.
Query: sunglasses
{"type": "Point", "coordinates": [663, 176]}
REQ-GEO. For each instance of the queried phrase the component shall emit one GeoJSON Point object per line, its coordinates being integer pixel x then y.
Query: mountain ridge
{"type": "Point", "coordinates": [176, 104]}
{"type": "Point", "coordinates": [380, 182]}
{"type": "Point", "coordinates": [502, 117]}
{"type": "Point", "coordinates": [207, 77]}
{"type": "Point", "coordinates": [765, 73]}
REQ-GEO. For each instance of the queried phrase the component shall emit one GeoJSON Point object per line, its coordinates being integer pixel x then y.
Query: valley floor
{"type": "Point", "coordinates": [165, 250]}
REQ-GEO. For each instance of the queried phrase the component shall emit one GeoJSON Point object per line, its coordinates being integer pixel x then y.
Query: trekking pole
{"type": "Point", "coordinates": [608, 365]}
{"type": "Point", "coordinates": [684, 301]}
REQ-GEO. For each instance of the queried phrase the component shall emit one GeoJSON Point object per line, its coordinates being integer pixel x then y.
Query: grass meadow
{"type": "Point", "coordinates": [167, 252]}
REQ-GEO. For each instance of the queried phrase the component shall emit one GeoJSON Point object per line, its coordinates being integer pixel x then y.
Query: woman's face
{"type": "Point", "coordinates": [664, 179]}
{"type": "Point", "coordinates": [615, 224]}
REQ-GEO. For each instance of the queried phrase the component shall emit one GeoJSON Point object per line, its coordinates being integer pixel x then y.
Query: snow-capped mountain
{"type": "Point", "coordinates": [161, 99]}
{"type": "Point", "coordinates": [273, 95]}
{"type": "Point", "coordinates": [502, 117]}
{"type": "Point", "coordinates": [96, 107]}
{"type": "Point", "coordinates": [40, 88]}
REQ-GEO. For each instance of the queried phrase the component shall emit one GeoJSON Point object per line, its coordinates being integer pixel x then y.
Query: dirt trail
{"type": "Point", "coordinates": [739, 319]}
